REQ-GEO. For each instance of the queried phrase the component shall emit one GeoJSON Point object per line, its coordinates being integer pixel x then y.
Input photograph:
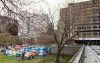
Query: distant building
{"type": "Point", "coordinates": [87, 14]}
{"type": "Point", "coordinates": [36, 27]}
{"type": "Point", "coordinates": [39, 24]}
{"type": "Point", "coordinates": [8, 25]}
{"type": "Point", "coordinates": [35, 24]}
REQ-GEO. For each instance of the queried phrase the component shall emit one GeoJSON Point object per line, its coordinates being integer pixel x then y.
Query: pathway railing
{"type": "Point", "coordinates": [79, 56]}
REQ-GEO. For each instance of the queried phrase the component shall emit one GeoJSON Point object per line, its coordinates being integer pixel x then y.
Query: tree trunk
{"type": "Point", "coordinates": [58, 56]}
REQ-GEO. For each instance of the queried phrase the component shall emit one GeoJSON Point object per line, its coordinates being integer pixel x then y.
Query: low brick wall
{"type": "Point", "coordinates": [70, 50]}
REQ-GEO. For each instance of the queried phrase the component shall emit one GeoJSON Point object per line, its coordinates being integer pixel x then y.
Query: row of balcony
{"type": "Point", "coordinates": [87, 34]}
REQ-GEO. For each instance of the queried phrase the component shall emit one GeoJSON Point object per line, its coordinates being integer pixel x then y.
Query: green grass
{"type": "Point", "coordinates": [37, 59]}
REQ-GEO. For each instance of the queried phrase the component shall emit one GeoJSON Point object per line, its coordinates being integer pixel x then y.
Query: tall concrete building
{"type": "Point", "coordinates": [86, 17]}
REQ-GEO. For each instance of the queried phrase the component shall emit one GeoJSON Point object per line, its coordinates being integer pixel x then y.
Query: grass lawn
{"type": "Point", "coordinates": [37, 59]}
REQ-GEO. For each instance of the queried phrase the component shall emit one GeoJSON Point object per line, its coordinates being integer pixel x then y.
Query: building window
{"type": "Point", "coordinates": [99, 26]}
{"type": "Point", "coordinates": [89, 34]}
{"type": "Point", "coordinates": [95, 1]}
{"type": "Point", "coordinates": [98, 11]}
{"type": "Point", "coordinates": [83, 34]}
{"type": "Point", "coordinates": [94, 26]}
{"type": "Point", "coordinates": [78, 35]}
{"type": "Point", "coordinates": [95, 34]}
{"type": "Point", "coordinates": [83, 28]}
{"type": "Point", "coordinates": [98, 16]}
{"type": "Point", "coordinates": [99, 34]}
{"type": "Point", "coordinates": [88, 28]}
{"type": "Point", "coordinates": [94, 20]}
{"type": "Point", "coordinates": [99, 20]}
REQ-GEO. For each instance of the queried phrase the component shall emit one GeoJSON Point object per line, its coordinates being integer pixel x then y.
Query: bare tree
{"type": "Point", "coordinates": [62, 36]}
{"type": "Point", "coordinates": [66, 33]}
{"type": "Point", "coordinates": [14, 9]}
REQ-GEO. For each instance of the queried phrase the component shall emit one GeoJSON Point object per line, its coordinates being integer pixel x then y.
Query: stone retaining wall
{"type": "Point", "coordinates": [70, 50]}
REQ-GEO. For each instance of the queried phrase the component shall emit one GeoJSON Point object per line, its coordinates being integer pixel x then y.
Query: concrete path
{"type": "Point", "coordinates": [90, 56]}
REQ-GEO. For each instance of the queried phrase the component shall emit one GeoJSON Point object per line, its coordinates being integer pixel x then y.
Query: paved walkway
{"type": "Point", "coordinates": [97, 50]}
{"type": "Point", "coordinates": [90, 56]}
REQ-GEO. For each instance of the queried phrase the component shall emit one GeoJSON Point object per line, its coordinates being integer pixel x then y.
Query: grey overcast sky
{"type": "Point", "coordinates": [53, 4]}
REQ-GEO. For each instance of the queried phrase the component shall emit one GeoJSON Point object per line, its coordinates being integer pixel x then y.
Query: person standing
{"type": "Point", "coordinates": [22, 57]}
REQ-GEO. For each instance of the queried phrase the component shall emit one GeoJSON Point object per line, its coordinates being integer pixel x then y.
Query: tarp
{"type": "Point", "coordinates": [28, 54]}
{"type": "Point", "coordinates": [25, 45]}
{"type": "Point", "coordinates": [17, 47]}
{"type": "Point", "coordinates": [30, 50]}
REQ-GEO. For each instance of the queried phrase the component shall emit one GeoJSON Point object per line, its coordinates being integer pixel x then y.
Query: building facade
{"type": "Point", "coordinates": [37, 28]}
{"type": "Point", "coordinates": [86, 21]}
{"type": "Point", "coordinates": [9, 25]}
{"type": "Point", "coordinates": [34, 24]}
